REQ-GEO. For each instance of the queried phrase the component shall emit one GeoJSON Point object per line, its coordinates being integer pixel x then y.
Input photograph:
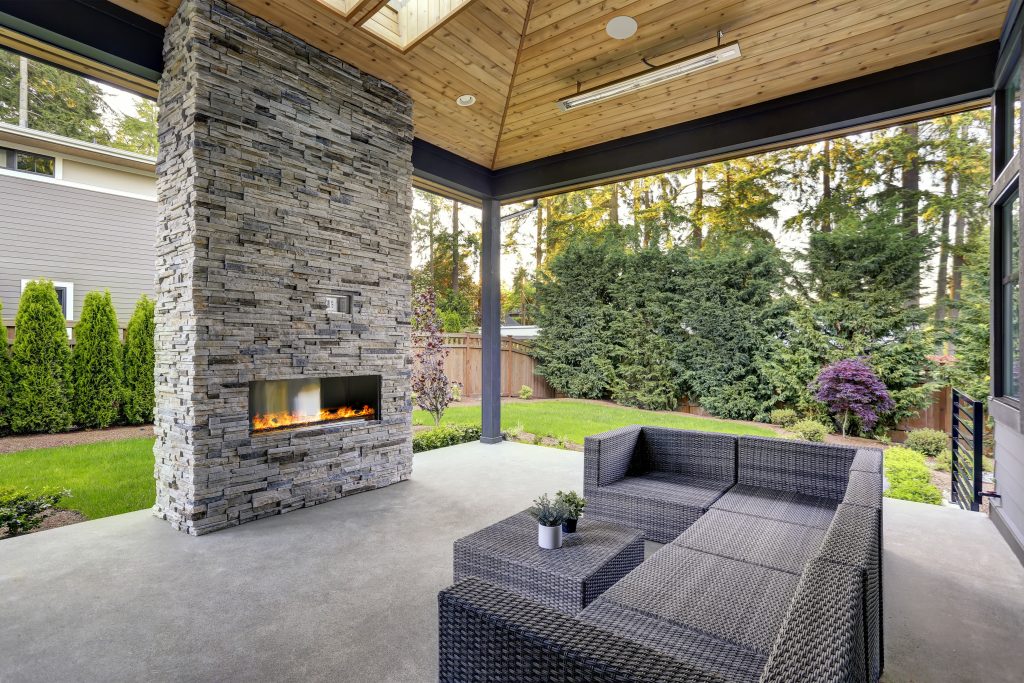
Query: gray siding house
{"type": "Point", "coordinates": [81, 215]}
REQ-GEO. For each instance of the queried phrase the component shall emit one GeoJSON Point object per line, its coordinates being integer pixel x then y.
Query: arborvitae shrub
{"type": "Point", "coordinates": [5, 377]}
{"type": "Point", "coordinates": [138, 364]}
{"type": "Point", "coordinates": [96, 364]}
{"type": "Point", "coordinates": [40, 359]}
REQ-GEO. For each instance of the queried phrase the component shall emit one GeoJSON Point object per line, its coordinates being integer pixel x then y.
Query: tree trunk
{"type": "Point", "coordinates": [613, 205]}
{"type": "Point", "coordinates": [697, 216]}
{"type": "Point", "coordinates": [910, 186]}
{"type": "Point", "coordinates": [942, 279]}
{"type": "Point", "coordinates": [958, 263]}
{"type": "Point", "coordinates": [455, 249]}
{"type": "Point", "coordinates": [23, 92]}
{"type": "Point", "coordinates": [538, 251]}
{"type": "Point", "coordinates": [826, 188]}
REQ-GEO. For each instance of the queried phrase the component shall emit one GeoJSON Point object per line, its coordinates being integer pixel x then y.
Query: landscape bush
{"type": "Point", "coordinates": [525, 392]}
{"type": "Point", "coordinates": [784, 417]}
{"type": "Point", "coordinates": [5, 377]}
{"type": "Point", "coordinates": [96, 373]}
{"type": "Point", "coordinates": [138, 364]}
{"type": "Point", "coordinates": [22, 511]}
{"type": "Point", "coordinates": [444, 435]}
{"type": "Point", "coordinates": [809, 430]}
{"type": "Point", "coordinates": [851, 389]}
{"type": "Point", "coordinates": [40, 363]}
{"type": "Point", "coordinates": [909, 476]}
{"type": "Point", "coordinates": [931, 442]}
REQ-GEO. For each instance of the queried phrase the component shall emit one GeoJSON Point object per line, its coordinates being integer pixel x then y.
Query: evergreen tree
{"type": "Point", "coordinates": [40, 363]}
{"type": "Point", "coordinates": [138, 364]}
{"type": "Point", "coordinates": [5, 377]}
{"type": "Point", "coordinates": [96, 373]}
{"type": "Point", "coordinates": [138, 133]}
{"type": "Point", "coordinates": [575, 313]}
{"type": "Point", "coordinates": [725, 307]}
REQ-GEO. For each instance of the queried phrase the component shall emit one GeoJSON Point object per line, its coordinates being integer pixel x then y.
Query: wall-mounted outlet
{"type": "Point", "coordinates": [339, 303]}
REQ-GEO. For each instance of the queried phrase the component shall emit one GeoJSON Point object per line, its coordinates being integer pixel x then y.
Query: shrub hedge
{"type": "Point", "coordinates": [5, 377]}
{"type": "Point", "coordinates": [931, 442]}
{"type": "Point", "coordinates": [810, 430]}
{"type": "Point", "coordinates": [96, 375]}
{"type": "Point", "coordinates": [784, 417]}
{"type": "Point", "coordinates": [40, 360]}
{"type": "Point", "coordinates": [139, 390]}
{"type": "Point", "coordinates": [45, 387]}
{"type": "Point", "coordinates": [909, 476]}
{"type": "Point", "coordinates": [444, 435]}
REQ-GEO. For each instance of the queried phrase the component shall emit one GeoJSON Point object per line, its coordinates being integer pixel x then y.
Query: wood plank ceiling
{"type": "Point", "coordinates": [518, 57]}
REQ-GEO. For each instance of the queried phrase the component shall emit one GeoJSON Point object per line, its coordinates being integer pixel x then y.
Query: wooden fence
{"type": "Point", "coordinates": [517, 366]}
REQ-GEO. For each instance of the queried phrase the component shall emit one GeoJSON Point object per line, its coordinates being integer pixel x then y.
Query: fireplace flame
{"type": "Point", "coordinates": [285, 419]}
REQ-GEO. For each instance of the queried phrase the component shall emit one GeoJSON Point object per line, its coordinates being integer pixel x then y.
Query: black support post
{"type": "Point", "coordinates": [490, 321]}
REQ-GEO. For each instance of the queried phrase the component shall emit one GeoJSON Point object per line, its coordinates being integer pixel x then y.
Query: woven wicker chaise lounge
{"type": "Point", "coordinates": [774, 574]}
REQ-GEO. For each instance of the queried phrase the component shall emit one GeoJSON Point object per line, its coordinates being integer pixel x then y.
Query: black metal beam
{"type": "Point", "coordinates": [450, 170]}
{"type": "Point", "coordinates": [947, 80]}
{"type": "Point", "coordinates": [97, 29]}
{"type": "Point", "coordinates": [490, 322]}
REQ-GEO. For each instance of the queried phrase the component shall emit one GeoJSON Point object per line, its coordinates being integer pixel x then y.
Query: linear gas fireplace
{"type": "Point", "coordinates": [288, 403]}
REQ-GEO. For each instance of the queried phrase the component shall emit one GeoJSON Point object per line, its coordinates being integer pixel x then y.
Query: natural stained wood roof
{"type": "Point", "coordinates": [518, 57]}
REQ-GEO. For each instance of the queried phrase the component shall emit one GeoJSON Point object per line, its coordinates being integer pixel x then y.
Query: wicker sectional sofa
{"type": "Point", "coordinates": [771, 571]}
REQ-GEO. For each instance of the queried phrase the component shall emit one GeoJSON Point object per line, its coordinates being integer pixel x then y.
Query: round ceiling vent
{"type": "Point", "coordinates": [621, 28]}
{"type": "Point", "coordinates": [465, 100]}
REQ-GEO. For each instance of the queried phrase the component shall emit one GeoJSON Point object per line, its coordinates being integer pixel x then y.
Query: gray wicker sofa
{"type": "Point", "coordinates": [773, 575]}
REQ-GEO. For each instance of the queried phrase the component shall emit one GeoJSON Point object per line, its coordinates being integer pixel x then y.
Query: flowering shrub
{"type": "Point", "coordinates": [433, 390]}
{"type": "Point", "coordinates": [850, 388]}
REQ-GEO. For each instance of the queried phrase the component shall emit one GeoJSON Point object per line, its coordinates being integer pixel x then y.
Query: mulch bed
{"type": "Point", "coordinates": [24, 442]}
{"type": "Point", "coordinates": [53, 518]}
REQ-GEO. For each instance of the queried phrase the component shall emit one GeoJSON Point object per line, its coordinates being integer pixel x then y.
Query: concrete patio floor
{"type": "Point", "coordinates": [346, 591]}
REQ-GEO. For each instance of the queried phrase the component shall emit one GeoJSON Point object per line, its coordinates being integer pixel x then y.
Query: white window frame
{"type": "Point", "coordinates": [69, 295]}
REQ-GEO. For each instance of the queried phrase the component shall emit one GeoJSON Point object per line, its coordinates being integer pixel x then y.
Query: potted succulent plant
{"type": "Point", "coordinates": [549, 515]}
{"type": "Point", "coordinates": [573, 504]}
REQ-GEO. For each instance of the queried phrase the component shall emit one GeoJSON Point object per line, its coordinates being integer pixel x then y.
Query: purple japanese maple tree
{"type": "Point", "coordinates": [850, 387]}
{"type": "Point", "coordinates": [432, 387]}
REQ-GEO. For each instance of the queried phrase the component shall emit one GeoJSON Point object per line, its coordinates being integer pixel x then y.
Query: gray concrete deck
{"type": "Point", "coordinates": [346, 591]}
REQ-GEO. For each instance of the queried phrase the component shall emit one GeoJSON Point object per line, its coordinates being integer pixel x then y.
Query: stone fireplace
{"type": "Point", "coordinates": [283, 308]}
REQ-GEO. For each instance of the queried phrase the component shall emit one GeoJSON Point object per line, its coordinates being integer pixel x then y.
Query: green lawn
{"type": "Point", "coordinates": [574, 420]}
{"type": "Point", "coordinates": [104, 478]}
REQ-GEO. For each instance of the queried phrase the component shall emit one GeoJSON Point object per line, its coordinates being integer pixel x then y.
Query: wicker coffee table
{"type": "Point", "coordinates": [569, 578]}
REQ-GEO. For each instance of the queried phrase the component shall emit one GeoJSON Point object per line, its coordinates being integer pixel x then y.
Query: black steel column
{"type": "Point", "coordinates": [490, 321]}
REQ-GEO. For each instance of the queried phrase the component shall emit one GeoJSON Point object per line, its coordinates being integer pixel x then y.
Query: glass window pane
{"type": "Point", "coordinates": [35, 163]}
{"type": "Point", "coordinates": [1011, 102]}
{"type": "Point", "coordinates": [1008, 279]}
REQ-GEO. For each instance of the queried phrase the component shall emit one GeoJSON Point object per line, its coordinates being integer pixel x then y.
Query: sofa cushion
{"type": "Point", "coordinates": [661, 504]}
{"type": "Point", "coordinates": [779, 505]}
{"type": "Point", "coordinates": [757, 540]}
{"type": "Point", "coordinates": [797, 466]}
{"type": "Point", "coordinates": [700, 455]}
{"type": "Point", "coordinates": [702, 592]}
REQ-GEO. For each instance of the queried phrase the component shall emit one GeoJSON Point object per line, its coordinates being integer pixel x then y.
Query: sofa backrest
{"type": "Point", "coordinates": [694, 454]}
{"type": "Point", "coordinates": [813, 469]}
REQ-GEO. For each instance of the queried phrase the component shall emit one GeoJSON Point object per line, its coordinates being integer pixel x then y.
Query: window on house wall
{"type": "Point", "coordinates": [1008, 296]}
{"type": "Point", "coordinates": [29, 162]}
{"type": "Point", "coordinates": [1010, 104]}
{"type": "Point", "coordinates": [65, 296]}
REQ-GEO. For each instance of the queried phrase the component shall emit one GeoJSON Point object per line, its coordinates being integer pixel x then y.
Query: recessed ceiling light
{"type": "Point", "coordinates": [465, 100]}
{"type": "Point", "coordinates": [621, 28]}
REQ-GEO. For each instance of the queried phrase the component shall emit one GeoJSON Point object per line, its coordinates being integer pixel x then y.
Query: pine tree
{"type": "Point", "coordinates": [138, 364]}
{"type": "Point", "coordinates": [96, 374]}
{"type": "Point", "coordinates": [5, 377]}
{"type": "Point", "coordinates": [40, 363]}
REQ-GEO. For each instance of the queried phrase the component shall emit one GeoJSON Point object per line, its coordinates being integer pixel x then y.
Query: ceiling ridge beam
{"type": "Point", "coordinates": [512, 82]}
